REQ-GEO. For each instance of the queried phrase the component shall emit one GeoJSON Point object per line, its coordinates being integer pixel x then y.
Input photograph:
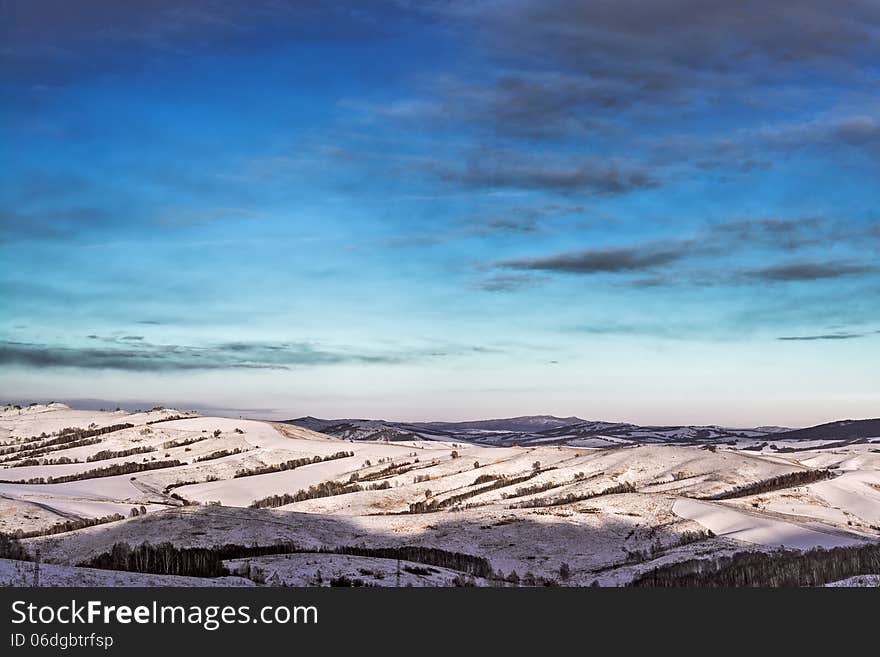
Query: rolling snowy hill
{"type": "Point", "coordinates": [429, 504]}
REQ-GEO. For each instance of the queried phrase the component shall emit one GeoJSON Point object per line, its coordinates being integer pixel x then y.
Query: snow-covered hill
{"type": "Point", "coordinates": [438, 504]}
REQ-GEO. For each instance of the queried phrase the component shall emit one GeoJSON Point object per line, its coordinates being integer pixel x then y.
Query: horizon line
{"type": "Point", "coordinates": [253, 414]}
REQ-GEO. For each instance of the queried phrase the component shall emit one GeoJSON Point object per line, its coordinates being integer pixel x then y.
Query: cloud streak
{"type": "Point", "coordinates": [825, 336]}
{"type": "Point", "coordinates": [809, 271]}
{"type": "Point", "coordinates": [678, 42]}
{"type": "Point", "coordinates": [144, 357]}
{"type": "Point", "coordinates": [860, 132]}
{"type": "Point", "coordinates": [507, 282]}
{"type": "Point", "coordinates": [515, 170]}
{"type": "Point", "coordinates": [611, 260]}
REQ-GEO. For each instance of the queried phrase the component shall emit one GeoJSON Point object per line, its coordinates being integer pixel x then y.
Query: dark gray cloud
{"type": "Point", "coordinates": [53, 224]}
{"type": "Point", "coordinates": [617, 328]}
{"type": "Point", "coordinates": [516, 170]}
{"type": "Point", "coordinates": [671, 43]}
{"type": "Point", "coordinates": [809, 271]}
{"type": "Point", "coordinates": [861, 132]}
{"type": "Point", "coordinates": [683, 263]}
{"type": "Point", "coordinates": [856, 130]}
{"type": "Point", "coordinates": [569, 68]}
{"type": "Point", "coordinates": [51, 41]}
{"type": "Point", "coordinates": [145, 357]}
{"type": "Point", "coordinates": [520, 219]}
{"type": "Point", "coordinates": [134, 354]}
{"type": "Point", "coordinates": [785, 233]}
{"type": "Point", "coordinates": [594, 261]}
{"type": "Point", "coordinates": [507, 282]}
{"type": "Point", "coordinates": [648, 282]}
{"type": "Point", "coordinates": [825, 336]}
{"type": "Point", "coordinates": [509, 223]}
{"type": "Point", "coordinates": [524, 104]}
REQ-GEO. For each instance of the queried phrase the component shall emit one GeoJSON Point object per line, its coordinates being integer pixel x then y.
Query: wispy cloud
{"type": "Point", "coordinates": [788, 233]}
{"type": "Point", "coordinates": [53, 224]}
{"type": "Point", "coordinates": [145, 357]}
{"type": "Point", "coordinates": [518, 170]}
{"type": "Point", "coordinates": [134, 354]}
{"type": "Point", "coordinates": [507, 282]}
{"type": "Point", "coordinates": [809, 271]}
{"type": "Point", "coordinates": [518, 219]}
{"type": "Point", "coordinates": [824, 336]}
{"type": "Point", "coordinates": [197, 216]}
{"type": "Point", "coordinates": [861, 131]}
{"type": "Point", "coordinates": [678, 43]}
{"type": "Point", "coordinates": [51, 43]}
{"type": "Point", "coordinates": [610, 260]}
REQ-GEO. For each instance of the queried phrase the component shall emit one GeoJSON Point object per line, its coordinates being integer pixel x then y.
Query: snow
{"type": "Point", "coordinates": [47, 418]}
{"type": "Point", "coordinates": [305, 569]}
{"type": "Point", "coordinates": [857, 492]}
{"type": "Point", "coordinates": [850, 500]}
{"type": "Point", "coordinates": [601, 536]}
{"type": "Point", "coordinates": [732, 523]}
{"type": "Point", "coordinates": [21, 573]}
{"type": "Point", "coordinates": [871, 581]}
{"type": "Point", "coordinates": [256, 433]}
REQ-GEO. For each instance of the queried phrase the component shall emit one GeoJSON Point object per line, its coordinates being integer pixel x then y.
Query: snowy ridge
{"type": "Point", "coordinates": [530, 430]}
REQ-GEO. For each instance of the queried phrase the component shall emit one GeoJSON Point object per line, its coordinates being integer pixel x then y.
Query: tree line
{"type": "Point", "coordinates": [776, 568]}
{"type": "Point", "coordinates": [168, 419]}
{"type": "Point", "coordinates": [62, 440]}
{"type": "Point", "coordinates": [431, 506]}
{"type": "Point", "coordinates": [61, 460]}
{"type": "Point", "coordinates": [66, 526]}
{"type": "Point", "coordinates": [323, 489]}
{"type": "Point", "coordinates": [571, 498]}
{"type": "Point", "coordinates": [166, 559]}
{"type": "Point", "coordinates": [96, 473]}
{"type": "Point", "coordinates": [219, 454]}
{"type": "Point", "coordinates": [171, 444]}
{"type": "Point", "coordinates": [292, 464]}
{"type": "Point", "coordinates": [780, 482]}
{"type": "Point", "coordinates": [37, 451]}
{"type": "Point", "coordinates": [11, 548]}
{"type": "Point", "coordinates": [161, 559]}
{"type": "Point", "coordinates": [388, 471]}
{"type": "Point", "coordinates": [105, 454]}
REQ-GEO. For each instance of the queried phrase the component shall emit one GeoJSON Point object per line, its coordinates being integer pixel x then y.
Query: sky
{"type": "Point", "coordinates": [647, 212]}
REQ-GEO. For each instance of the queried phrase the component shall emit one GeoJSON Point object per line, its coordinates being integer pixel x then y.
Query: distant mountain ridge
{"type": "Point", "coordinates": [521, 423]}
{"type": "Point", "coordinates": [839, 430]}
{"type": "Point", "coordinates": [531, 430]}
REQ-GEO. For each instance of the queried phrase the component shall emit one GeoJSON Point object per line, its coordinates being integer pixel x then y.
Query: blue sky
{"type": "Point", "coordinates": [444, 210]}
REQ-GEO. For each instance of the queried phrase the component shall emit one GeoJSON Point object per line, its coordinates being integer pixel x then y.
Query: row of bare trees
{"type": "Point", "coordinates": [96, 473]}
{"type": "Point", "coordinates": [292, 464]}
{"type": "Point", "coordinates": [775, 568]}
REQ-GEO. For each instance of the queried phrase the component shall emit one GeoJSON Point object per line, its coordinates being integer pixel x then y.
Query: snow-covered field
{"type": "Point", "coordinates": [742, 525]}
{"type": "Point", "coordinates": [601, 512]}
